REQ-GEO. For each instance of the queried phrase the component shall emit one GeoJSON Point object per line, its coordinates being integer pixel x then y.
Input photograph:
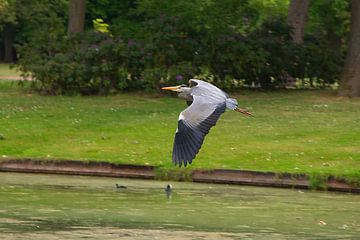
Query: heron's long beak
{"type": "Point", "coordinates": [175, 88]}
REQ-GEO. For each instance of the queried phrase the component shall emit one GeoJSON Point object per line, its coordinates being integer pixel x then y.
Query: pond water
{"type": "Point", "coordinates": [40, 206]}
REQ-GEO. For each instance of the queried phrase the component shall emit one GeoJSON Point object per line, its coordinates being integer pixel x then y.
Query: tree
{"type": "Point", "coordinates": [297, 15]}
{"type": "Point", "coordinates": [329, 20]}
{"type": "Point", "coordinates": [9, 52]}
{"type": "Point", "coordinates": [350, 78]}
{"type": "Point", "coordinates": [8, 22]}
{"type": "Point", "coordinates": [76, 16]}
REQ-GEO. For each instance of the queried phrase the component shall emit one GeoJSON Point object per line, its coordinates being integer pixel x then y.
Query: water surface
{"type": "Point", "coordinates": [40, 206]}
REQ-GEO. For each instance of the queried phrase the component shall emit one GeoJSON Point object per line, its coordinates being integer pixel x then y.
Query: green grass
{"type": "Point", "coordinates": [313, 132]}
{"type": "Point", "coordinates": [5, 71]}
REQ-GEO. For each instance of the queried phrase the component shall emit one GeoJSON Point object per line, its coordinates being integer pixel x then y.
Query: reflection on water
{"type": "Point", "coordinates": [39, 206]}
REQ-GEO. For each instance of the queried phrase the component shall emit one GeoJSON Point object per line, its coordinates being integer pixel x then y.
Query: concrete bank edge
{"type": "Point", "coordinates": [106, 169]}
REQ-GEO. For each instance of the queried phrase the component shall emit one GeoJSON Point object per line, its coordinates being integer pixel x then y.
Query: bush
{"type": "Point", "coordinates": [267, 57]}
{"type": "Point", "coordinates": [95, 63]}
{"type": "Point", "coordinates": [171, 52]}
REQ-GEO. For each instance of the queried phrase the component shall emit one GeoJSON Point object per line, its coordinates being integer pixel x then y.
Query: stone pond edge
{"type": "Point", "coordinates": [224, 176]}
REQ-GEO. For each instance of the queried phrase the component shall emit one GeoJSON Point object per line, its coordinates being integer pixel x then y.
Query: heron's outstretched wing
{"type": "Point", "coordinates": [194, 123]}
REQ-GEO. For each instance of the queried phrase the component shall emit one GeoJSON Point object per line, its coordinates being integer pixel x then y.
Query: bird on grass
{"type": "Point", "coordinates": [206, 103]}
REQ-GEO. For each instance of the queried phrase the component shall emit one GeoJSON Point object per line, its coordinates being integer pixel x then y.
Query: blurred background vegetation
{"type": "Point", "coordinates": [100, 47]}
{"type": "Point", "coordinates": [141, 45]}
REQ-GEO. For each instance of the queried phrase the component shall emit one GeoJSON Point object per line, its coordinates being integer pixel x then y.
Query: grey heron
{"type": "Point", "coordinates": [206, 103]}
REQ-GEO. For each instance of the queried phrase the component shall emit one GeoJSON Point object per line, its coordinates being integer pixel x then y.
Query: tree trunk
{"type": "Point", "coordinates": [350, 77]}
{"type": "Point", "coordinates": [9, 54]}
{"type": "Point", "coordinates": [76, 16]}
{"type": "Point", "coordinates": [297, 15]}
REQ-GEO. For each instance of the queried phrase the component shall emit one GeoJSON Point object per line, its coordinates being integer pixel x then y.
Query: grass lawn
{"type": "Point", "coordinates": [5, 71]}
{"type": "Point", "coordinates": [313, 132]}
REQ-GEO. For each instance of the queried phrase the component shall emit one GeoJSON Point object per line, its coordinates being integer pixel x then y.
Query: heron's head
{"type": "Point", "coordinates": [182, 90]}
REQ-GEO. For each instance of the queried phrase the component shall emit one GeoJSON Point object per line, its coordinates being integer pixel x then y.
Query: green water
{"type": "Point", "coordinates": [40, 206]}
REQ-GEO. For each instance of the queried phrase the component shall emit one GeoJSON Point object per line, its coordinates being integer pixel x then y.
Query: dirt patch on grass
{"type": "Point", "coordinates": [14, 78]}
{"type": "Point", "coordinates": [127, 234]}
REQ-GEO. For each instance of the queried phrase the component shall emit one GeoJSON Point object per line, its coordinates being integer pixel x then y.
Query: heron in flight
{"type": "Point", "coordinates": [206, 103]}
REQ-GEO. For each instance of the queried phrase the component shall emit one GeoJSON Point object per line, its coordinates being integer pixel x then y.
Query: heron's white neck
{"type": "Point", "coordinates": [185, 93]}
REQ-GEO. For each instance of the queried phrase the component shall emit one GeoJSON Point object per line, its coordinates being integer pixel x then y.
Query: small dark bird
{"type": "Point", "coordinates": [206, 104]}
{"type": "Point", "coordinates": [168, 188]}
{"type": "Point", "coordinates": [168, 191]}
{"type": "Point", "coordinates": [120, 186]}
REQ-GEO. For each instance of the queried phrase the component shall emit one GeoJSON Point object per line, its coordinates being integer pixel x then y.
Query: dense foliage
{"type": "Point", "coordinates": [149, 43]}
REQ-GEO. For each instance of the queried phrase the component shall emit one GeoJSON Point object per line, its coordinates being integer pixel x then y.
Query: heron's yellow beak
{"type": "Point", "coordinates": [175, 88]}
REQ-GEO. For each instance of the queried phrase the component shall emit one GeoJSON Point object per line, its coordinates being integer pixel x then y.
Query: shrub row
{"type": "Point", "coordinates": [101, 63]}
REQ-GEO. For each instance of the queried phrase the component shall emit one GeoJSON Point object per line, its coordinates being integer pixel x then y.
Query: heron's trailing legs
{"type": "Point", "coordinates": [243, 111]}
{"type": "Point", "coordinates": [232, 104]}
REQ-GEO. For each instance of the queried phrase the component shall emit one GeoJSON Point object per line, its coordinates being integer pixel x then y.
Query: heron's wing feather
{"type": "Point", "coordinates": [194, 123]}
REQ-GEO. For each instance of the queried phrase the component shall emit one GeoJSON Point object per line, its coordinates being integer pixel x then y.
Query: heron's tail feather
{"type": "Point", "coordinates": [231, 103]}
